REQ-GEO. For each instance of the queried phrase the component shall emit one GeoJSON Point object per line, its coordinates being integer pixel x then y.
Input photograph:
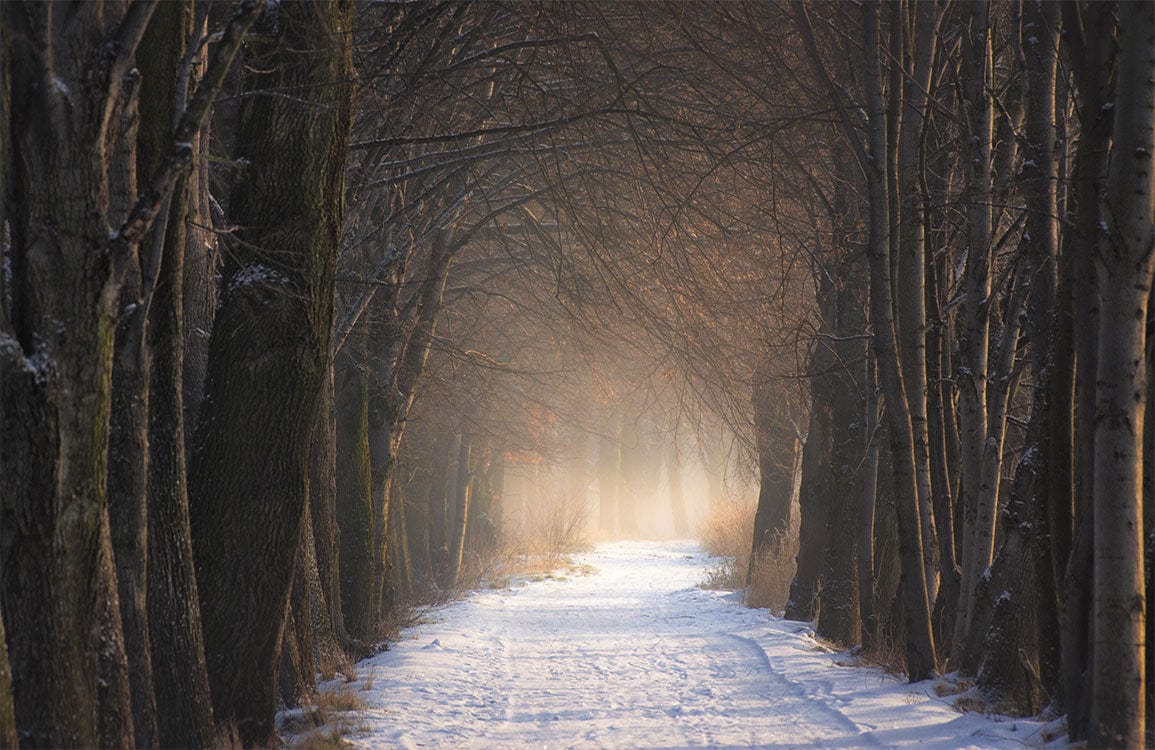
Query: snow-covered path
{"type": "Point", "coordinates": [634, 655]}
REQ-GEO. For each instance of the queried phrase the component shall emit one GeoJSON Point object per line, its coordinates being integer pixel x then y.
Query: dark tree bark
{"type": "Point", "coordinates": [813, 507]}
{"type": "Point", "coordinates": [867, 494]}
{"type": "Point", "coordinates": [839, 614]}
{"type": "Point", "coordinates": [920, 649]}
{"type": "Point", "coordinates": [354, 501]}
{"type": "Point", "coordinates": [776, 461]}
{"type": "Point", "coordinates": [1126, 263]}
{"type": "Point", "coordinates": [910, 264]}
{"type": "Point", "coordinates": [324, 570]}
{"type": "Point", "coordinates": [59, 589]}
{"type": "Point", "coordinates": [128, 421]}
{"type": "Point", "coordinates": [1088, 32]}
{"type": "Point", "coordinates": [463, 490]}
{"type": "Point", "coordinates": [268, 354]}
{"type": "Point", "coordinates": [976, 499]}
{"type": "Point", "coordinates": [439, 518]}
{"type": "Point", "coordinates": [179, 677]}
{"type": "Point", "coordinates": [1018, 608]}
{"type": "Point", "coordinates": [296, 681]}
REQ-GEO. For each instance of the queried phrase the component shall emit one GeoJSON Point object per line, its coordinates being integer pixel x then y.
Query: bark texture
{"type": "Point", "coordinates": [268, 354]}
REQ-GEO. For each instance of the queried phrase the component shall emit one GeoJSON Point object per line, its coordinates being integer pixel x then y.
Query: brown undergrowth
{"type": "Point", "coordinates": [727, 533]}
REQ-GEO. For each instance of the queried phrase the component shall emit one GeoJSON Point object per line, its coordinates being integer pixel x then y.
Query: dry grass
{"type": "Point", "coordinates": [330, 665]}
{"type": "Point", "coordinates": [325, 722]}
{"type": "Point", "coordinates": [552, 529]}
{"type": "Point", "coordinates": [727, 534]}
{"type": "Point", "coordinates": [336, 700]}
{"type": "Point", "coordinates": [539, 546]}
{"type": "Point", "coordinates": [328, 737]}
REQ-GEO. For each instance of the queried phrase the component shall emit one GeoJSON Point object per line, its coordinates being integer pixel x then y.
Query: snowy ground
{"type": "Point", "coordinates": [634, 655]}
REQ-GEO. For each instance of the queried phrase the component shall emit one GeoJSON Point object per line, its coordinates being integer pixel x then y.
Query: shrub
{"type": "Point", "coordinates": [728, 534]}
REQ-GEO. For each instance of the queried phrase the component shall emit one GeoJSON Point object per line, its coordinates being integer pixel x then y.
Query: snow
{"type": "Point", "coordinates": [636, 655]}
{"type": "Point", "coordinates": [254, 274]}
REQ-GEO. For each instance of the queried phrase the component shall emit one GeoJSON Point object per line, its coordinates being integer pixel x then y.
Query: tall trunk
{"type": "Point", "coordinates": [417, 516]}
{"type": "Point", "coordinates": [1020, 601]}
{"type": "Point", "coordinates": [1126, 265]}
{"type": "Point", "coordinates": [180, 679]}
{"type": "Point", "coordinates": [938, 431]}
{"type": "Point", "coordinates": [248, 478]}
{"type": "Point", "coordinates": [128, 422]}
{"type": "Point", "coordinates": [971, 376]}
{"type": "Point", "coordinates": [461, 496]}
{"type": "Point", "coordinates": [867, 491]}
{"type": "Point", "coordinates": [1041, 248]}
{"type": "Point", "coordinates": [329, 623]}
{"type": "Point", "coordinates": [59, 588]}
{"type": "Point", "coordinates": [920, 651]}
{"type": "Point", "coordinates": [354, 499]}
{"type": "Point", "coordinates": [1089, 34]}
{"type": "Point", "coordinates": [392, 398]}
{"type": "Point", "coordinates": [485, 507]}
{"type": "Point", "coordinates": [439, 520]}
{"type": "Point", "coordinates": [844, 318]}
{"type": "Point", "coordinates": [295, 674]}
{"type": "Point", "coordinates": [400, 570]}
{"type": "Point", "coordinates": [775, 473]}
{"type": "Point", "coordinates": [911, 320]}
{"type": "Point", "coordinates": [813, 507]}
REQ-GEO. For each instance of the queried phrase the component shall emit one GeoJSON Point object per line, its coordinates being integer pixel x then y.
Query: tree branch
{"type": "Point", "coordinates": [149, 203]}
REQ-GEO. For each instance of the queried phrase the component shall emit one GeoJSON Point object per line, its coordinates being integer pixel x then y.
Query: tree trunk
{"type": "Point", "coordinates": [813, 501]}
{"type": "Point", "coordinates": [268, 354]}
{"type": "Point", "coordinates": [1041, 248]}
{"type": "Point", "coordinates": [59, 589]}
{"type": "Point", "coordinates": [775, 473]}
{"type": "Point", "coordinates": [868, 489]}
{"type": "Point", "coordinates": [354, 501]}
{"type": "Point", "coordinates": [329, 622]}
{"type": "Point", "coordinates": [1089, 34]}
{"type": "Point", "coordinates": [462, 491]}
{"type": "Point", "coordinates": [920, 651]}
{"type": "Point", "coordinates": [1127, 261]}
{"type": "Point", "coordinates": [971, 377]}
{"type": "Point", "coordinates": [911, 320]}
{"type": "Point", "coordinates": [439, 518]}
{"type": "Point", "coordinates": [128, 423]}
{"type": "Point", "coordinates": [297, 683]}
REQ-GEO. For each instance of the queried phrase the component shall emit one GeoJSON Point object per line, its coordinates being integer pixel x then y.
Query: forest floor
{"type": "Point", "coordinates": [624, 650]}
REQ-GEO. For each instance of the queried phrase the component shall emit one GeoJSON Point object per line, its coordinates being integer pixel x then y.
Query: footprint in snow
{"type": "Point", "coordinates": [435, 645]}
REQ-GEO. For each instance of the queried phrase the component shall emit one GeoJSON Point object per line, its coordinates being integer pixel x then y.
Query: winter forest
{"type": "Point", "coordinates": [313, 314]}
